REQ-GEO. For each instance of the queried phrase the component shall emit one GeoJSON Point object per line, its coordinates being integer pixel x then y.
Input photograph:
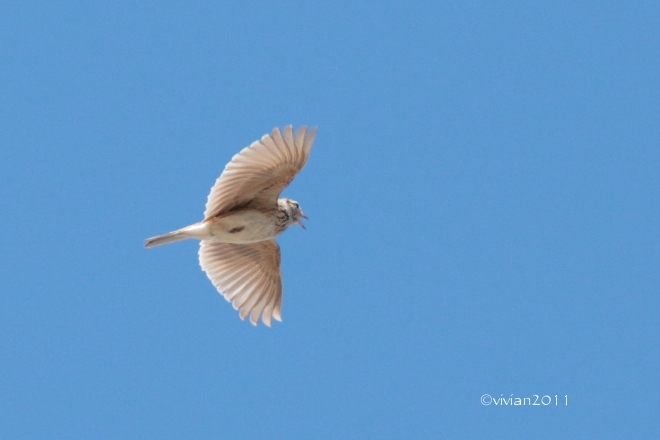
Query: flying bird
{"type": "Point", "coordinates": [243, 216]}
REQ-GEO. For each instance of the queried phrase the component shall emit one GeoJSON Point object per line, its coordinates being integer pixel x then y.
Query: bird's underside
{"type": "Point", "coordinates": [244, 226]}
{"type": "Point", "coordinates": [243, 216]}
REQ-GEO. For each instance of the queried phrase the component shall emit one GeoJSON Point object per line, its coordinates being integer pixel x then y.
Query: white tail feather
{"type": "Point", "coordinates": [170, 237]}
{"type": "Point", "coordinates": [198, 230]}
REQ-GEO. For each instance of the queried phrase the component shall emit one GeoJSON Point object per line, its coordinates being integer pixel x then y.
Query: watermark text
{"type": "Point", "coordinates": [534, 400]}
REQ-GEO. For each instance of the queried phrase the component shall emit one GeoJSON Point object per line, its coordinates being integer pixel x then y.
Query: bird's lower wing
{"type": "Point", "coordinates": [247, 275]}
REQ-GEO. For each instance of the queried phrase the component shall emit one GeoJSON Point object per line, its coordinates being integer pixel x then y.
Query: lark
{"type": "Point", "coordinates": [243, 216]}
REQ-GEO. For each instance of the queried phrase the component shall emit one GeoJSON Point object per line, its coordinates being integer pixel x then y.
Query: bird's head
{"type": "Point", "coordinates": [294, 213]}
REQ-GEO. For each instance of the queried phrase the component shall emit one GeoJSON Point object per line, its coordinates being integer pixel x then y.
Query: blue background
{"type": "Point", "coordinates": [483, 201]}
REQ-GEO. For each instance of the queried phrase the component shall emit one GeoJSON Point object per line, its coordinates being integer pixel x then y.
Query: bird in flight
{"type": "Point", "coordinates": [243, 216]}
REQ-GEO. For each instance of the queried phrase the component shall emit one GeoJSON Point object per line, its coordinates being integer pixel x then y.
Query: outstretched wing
{"type": "Point", "coordinates": [256, 176]}
{"type": "Point", "coordinates": [247, 275]}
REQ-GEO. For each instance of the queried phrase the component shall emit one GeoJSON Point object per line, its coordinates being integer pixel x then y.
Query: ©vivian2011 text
{"type": "Point", "coordinates": [535, 400]}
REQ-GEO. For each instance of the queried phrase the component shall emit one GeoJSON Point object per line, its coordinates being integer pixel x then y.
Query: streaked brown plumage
{"type": "Point", "coordinates": [243, 216]}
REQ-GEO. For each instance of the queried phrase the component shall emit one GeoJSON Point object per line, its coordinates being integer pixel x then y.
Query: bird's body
{"type": "Point", "coordinates": [243, 216]}
{"type": "Point", "coordinates": [246, 226]}
{"type": "Point", "coordinates": [241, 226]}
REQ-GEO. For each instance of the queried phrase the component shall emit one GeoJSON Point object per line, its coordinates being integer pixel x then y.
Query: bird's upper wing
{"type": "Point", "coordinates": [247, 275]}
{"type": "Point", "coordinates": [255, 176]}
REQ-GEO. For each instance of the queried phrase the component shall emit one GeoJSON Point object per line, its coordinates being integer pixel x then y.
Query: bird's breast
{"type": "Point", "coordinates": [245, 226]}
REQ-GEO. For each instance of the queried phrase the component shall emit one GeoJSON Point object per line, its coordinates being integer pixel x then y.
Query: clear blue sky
{"type": "Point", "coordinates": [483, 197]}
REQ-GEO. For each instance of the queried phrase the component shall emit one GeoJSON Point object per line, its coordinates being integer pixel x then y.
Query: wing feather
{"type": "Point", "coordinates": [288, 139]}
{"type": "Point", "coordinates": [276, 135]}
{"type": "Point", "coordinates": [258, 308]}
{"type": "Point", "coordinates": [277, 308]}
{"type": "Point", "coordinates": [267, 314]}
{"type": "Point", "coordinates": [252, 301]}
{"type": "Point", "coordinates": [256, 176]}
{"type": "Point", "coordinates": [249, 295]}
{"type": "Point", "coordinates": [247, 275]}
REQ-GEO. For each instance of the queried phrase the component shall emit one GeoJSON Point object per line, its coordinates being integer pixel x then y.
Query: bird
{"type": "Point", "coordinates": [243, 216]}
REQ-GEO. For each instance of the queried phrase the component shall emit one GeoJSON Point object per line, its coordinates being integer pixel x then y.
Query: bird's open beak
{"type": "Point", "coordinates": [299, 222]}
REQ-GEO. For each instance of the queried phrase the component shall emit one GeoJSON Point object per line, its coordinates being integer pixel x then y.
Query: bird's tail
{"type": "Point", "coordinates": [198, 230]}
{"type": "Point", "coordinates": [170, 237]}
